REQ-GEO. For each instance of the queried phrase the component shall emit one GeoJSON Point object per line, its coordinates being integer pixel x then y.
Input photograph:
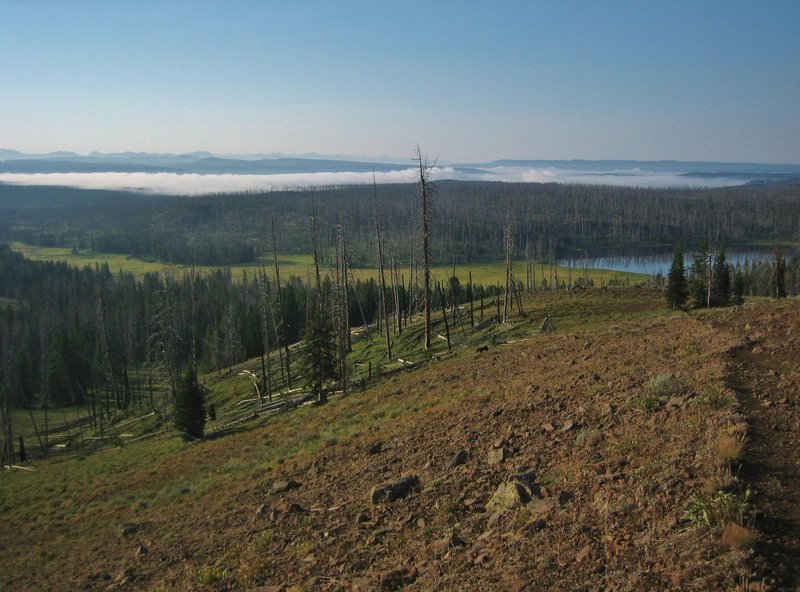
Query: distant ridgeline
{"type": "Point", "coordinates": [468, 220]}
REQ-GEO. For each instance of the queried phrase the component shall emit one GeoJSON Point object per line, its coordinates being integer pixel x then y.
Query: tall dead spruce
{"type": "Point", "coordinates": [384, 313]}
{"type": "Point", "coordinates": [424, 190]}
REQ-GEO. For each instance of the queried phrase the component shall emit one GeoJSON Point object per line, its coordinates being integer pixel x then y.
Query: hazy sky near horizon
{"type": "Point", "coordinates": [467, 81]}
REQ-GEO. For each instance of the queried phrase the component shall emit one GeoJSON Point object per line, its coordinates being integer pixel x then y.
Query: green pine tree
{"type": "Point", "coordinates": [677, 287]}
{"type": "Point", "coordinates": [318, 363]}
{"type": "Point", "coordinates": [190, 415]}
{"type": "Point", "coordinates": [720, 280]}
{"type": "Point", "coordinates": [778, 286]}
{"type": "Point", "coordinates": [699, 276]}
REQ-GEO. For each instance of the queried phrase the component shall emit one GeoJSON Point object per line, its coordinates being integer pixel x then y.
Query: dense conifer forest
{"type": "Point", "coordinates": [551, 220]}
{"type": "Point", "coordinates": [93, 336]}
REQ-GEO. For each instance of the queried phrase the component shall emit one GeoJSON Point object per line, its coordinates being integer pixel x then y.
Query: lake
{"type": "Point", "coordinates": [660, 263]}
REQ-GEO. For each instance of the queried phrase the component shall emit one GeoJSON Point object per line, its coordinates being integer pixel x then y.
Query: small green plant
{"type": "Point", "coordinates": [263, 541]}
{"type": "Point", "coordinates": [583, 435]}
{"type": "Point", "coordinates": [209, 574]}
{"type": "Point", "coordinates": [663, 385]}
{"type": "Point", "coordinates": [716, 399]}
{"type": "Point", "coordinates": [718, 508]}
{"type": "Point", "coordinates": [692, 348]}
{"type": "Point", "coordinates": [646, 402]}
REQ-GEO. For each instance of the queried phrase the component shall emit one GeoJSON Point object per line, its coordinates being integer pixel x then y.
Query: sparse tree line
{"type": "Point", "coordinates": [711, 281]}
{"type": "Point", "coordinates": [551, 220]}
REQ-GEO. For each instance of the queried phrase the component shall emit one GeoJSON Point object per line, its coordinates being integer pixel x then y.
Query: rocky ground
{"type": "Point", "coordinates": [644, 451]}
{"type": "Point", "coordinates": [765, 375]}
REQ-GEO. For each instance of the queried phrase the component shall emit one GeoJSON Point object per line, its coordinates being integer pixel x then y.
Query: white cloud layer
{"type": "Point", "coordinates": [193, 184]}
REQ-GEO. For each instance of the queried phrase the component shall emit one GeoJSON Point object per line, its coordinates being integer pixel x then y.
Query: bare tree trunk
{"type": "Point", "coordinates": [313, 231]}
{"type": "Point", "coordinates": [341, 313]}
{"type": "Point", "coordinates": [280, 308]}
{"type": "Point", "coordinates": [266, 378]}
{"type": "Point", "coordinates": [507, 302]}
{"type": "Point", "coordinates": [384, 308]}
{"type": "Point", "coordinates": [396, 289]}
{"type": "Point", "coordinates": [471, 299]}
{"type": "Point", "coordinates": [345, 273]}
{"type": "Point", "coordinates": [444, 316]}
{"type": "Point", "coordinates": [424, 174]}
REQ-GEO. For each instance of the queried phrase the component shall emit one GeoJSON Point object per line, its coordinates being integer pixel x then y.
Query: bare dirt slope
{"type": "Point", "coordinates": [595, 457]}
{"type": "Point", "coordinates": [765, 374]}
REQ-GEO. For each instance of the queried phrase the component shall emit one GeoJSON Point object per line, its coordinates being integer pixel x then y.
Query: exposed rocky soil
{"type": "Point", "coordinates": [765, 374]}
{"type": "Point", "coordinates": [563, 462]}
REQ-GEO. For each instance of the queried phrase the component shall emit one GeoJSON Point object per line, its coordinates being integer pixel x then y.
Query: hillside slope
{"type": "Point", "coordinates": [600, 456]}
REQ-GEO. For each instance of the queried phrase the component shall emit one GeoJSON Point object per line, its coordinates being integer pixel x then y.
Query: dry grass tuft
{"type": "Point", "coordinates": [729, 445]}
{"type": "Point", "coordinates": [737, 537]}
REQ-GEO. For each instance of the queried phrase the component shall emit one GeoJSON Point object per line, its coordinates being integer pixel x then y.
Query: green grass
{"type": "Point", "coordinates": [486, 273]}
{"type": "Point", "coordinates": [298, 265]}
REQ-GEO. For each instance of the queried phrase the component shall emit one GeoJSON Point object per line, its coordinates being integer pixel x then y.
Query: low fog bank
{"type": "Point", "coordinates": [193, 183]}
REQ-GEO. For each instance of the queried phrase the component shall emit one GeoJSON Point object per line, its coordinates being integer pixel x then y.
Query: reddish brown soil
{"type": "Point", "coordinates": [765, 374]}
{"type": "Point", "coordinates": [615, 469]}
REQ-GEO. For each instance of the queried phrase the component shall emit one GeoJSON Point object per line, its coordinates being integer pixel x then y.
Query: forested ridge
{"type": "Point", "coordinates": [88, 335]}
{"type": "Point", "coordinates": [551, 220]}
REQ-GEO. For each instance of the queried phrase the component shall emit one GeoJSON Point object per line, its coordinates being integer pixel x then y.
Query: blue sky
{"type": "Point", "coordinates": [468, 81]}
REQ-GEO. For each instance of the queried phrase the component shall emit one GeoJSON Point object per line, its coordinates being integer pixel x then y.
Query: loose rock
{"type": "Point", "coordinates": [461, 458]}
{"type": "Point", "coordinates": [283, 486]}
{"type": "Point", "coordinates": [389, 492]}
{"type": "Point", "coordinates": [497, 456]}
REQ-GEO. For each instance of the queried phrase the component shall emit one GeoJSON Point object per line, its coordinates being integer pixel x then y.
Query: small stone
{"type": "Point", "coordinates": [497, 456]}
{"type": "Point", "coordinates": [564, 497]}
{"type": "Point", "coordinates": [389, 492]}
{"type": "Point", "coordinates": [461, 457]}
{"type": "Point", "coordinates": [583, 554]}
{"type": "Point", "coordinates": [540, 507]}
{"type": "Point", "coordinates": [283, 486]}
{"type": "Point", "coordinates": [286, 508]}
{"type": "Point", "coordinates": [509, 495]}
{"type": "Point", "coordinates": [568, 425]}
{"type": "Point", "coordinates": [396, 579]}
{"type": "Point", "coordinates": [451, 541]}
{"type": "Point", "coordinates": [676, 401]}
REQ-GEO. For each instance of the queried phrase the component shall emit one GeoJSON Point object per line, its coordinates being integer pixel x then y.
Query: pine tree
{"type": "Point", "coordinates": [720, 280]}
{"type": "Point", "coordinates": [319, 360]}
{"type": "Point", "coordinates": [190, 416]}
{"type": "Point", "coordinates": [699, 276]}
{"type": "Point", "coordinates": [677, 287]}
{"type": "Point", "coordinates": [737, 292]}
{"type": "Point", "coordinates": [779, 286]}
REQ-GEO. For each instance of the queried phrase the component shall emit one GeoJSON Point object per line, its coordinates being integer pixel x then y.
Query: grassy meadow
{"type": "Point", "coordinates": [486, 273]}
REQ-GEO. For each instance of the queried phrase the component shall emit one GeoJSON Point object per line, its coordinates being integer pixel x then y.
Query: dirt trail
{"type": "Point", "coordinates": [765, 372]}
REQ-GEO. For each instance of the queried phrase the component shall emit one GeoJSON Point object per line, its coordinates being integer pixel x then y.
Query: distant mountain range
{"type": "Point", "coordinates": [13, 161]}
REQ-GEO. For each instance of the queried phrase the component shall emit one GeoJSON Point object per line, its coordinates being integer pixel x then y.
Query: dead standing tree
{"type": "Point", "coordinates": [340, 306]}
{"type": "Point", "coordinates": [384, 309]}
{"type": "Point", "coordinates": [280, 309]}
{"type": "Point", "coordinates": [424, 190]}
